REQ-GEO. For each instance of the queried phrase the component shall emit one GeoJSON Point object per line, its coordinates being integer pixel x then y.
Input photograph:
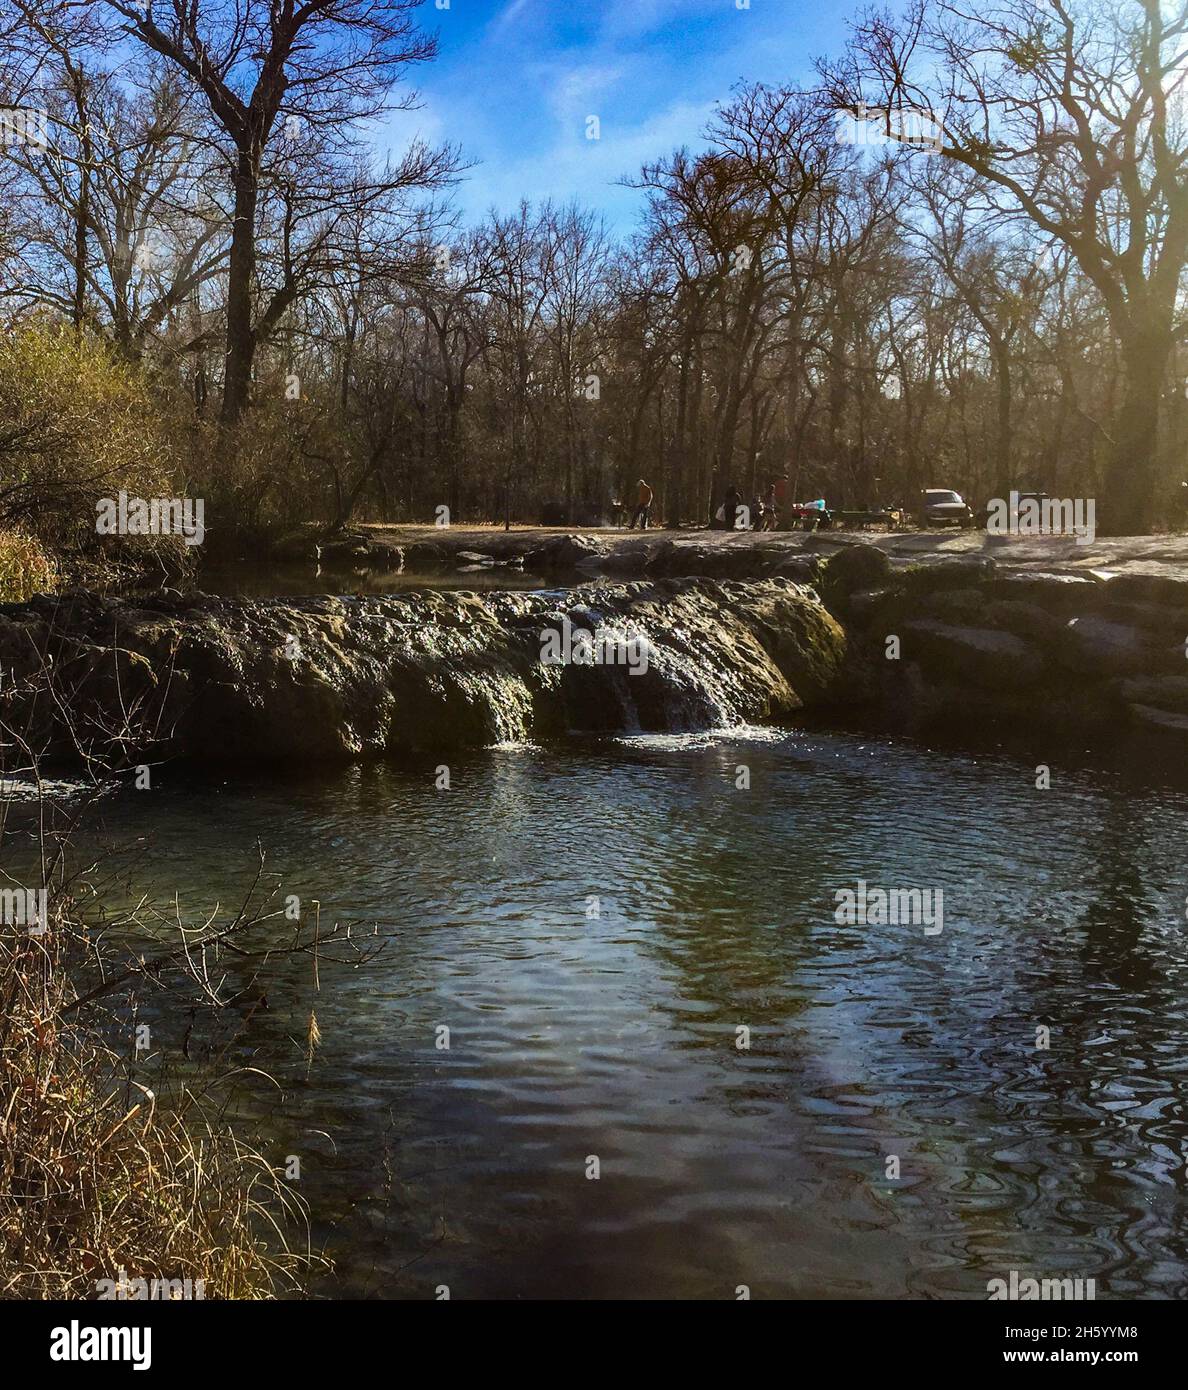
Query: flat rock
{"type": "Point", "coordinates": [1062, 593]}
{"type": "Point", "coordinates": [567, 553]}
{"type": "Point", "coordinates": [931, 576]}
{"type": "Point", "coordinates": [976, 656]}
{"type": "Point", "coordinates": [333, 678]}
{"type": "Point", "coordinates": [1130, 586]}
{"type": "Point", "coordinates": [1160, 719]}
{"type": "Point", "coordinates": [1160, 692]}
{"type": "Point", "coordinates": [1097, 647]}
{"type": "Point", "coordinates": [713, 562]}
{"type": "Point", "coordinates": [1023, 619]}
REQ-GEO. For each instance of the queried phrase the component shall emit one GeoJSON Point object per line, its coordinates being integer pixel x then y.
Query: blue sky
{"type": "Point", "coordinates": [516, 80]}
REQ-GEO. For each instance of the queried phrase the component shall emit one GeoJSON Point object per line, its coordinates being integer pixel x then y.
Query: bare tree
{"type": "Point", "coordinates": [120, 225]}
{"type": "Point", "coordinates": [1068, 112]}
{"type": "Point", "coordinates": [268, 69]}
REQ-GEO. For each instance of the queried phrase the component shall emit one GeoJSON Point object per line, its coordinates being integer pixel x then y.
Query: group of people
{"type": "Point", "coordinates": [764, 514]}
{"type": "Point", "coordinates": [773, 512]}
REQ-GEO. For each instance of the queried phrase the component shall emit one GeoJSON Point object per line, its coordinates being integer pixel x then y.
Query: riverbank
{"type": "Point", "coordinates": [973, 644]}
{"type": "Point", "coordinates": [110, 1190]}
{"type": "Point", "coordinates": [741, 555]}
{"type": "Point", "coordinates": [948, 636]}
{"type": "Point", "coordinates": [425, 550]}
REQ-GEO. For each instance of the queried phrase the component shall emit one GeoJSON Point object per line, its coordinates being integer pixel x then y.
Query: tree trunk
{"type": "Point", "coordinates": [1130, 482]}
{"type": "Point", "coordinates": [1003, 440]}
{"type": "Point", "coordinates": [724, 447]}
{"type": "Point", "coordinates": [82, 214]}
{"type": "Point", "coordinates": [678, 458]}
{"type": "Point", "coordinates": [241, 340]}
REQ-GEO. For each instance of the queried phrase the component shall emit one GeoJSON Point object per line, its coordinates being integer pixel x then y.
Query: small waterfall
{"type": "Point", "coordinates": [334, 679]}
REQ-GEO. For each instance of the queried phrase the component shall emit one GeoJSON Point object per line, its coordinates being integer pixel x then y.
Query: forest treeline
{"type": "Point", "coordinates": [957, 260]}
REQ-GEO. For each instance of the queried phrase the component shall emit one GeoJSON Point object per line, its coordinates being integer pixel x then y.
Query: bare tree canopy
{"type": "Point", "coordinates": [959, 260]}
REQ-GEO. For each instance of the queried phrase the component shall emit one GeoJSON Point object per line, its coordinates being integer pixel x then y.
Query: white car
{"type": "Point", "coordinates": [942, 507]}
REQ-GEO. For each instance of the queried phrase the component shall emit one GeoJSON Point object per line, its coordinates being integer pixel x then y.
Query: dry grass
{"type": "Point", "coordinates": [98, 1176]}
{"type": "Point", "coordinates": [25, 568]}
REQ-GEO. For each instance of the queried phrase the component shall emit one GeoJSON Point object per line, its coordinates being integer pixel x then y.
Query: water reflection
{"type": "Point", "coordinates": [594, 925]}
{"type": "Point", "coordinates": [264, 579]}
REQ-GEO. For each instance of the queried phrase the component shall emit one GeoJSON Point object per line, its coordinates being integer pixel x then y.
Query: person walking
{"type": "Point", "coordinates": [643, 506]}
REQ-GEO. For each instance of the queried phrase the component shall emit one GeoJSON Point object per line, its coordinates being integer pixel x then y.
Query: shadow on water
{"type": "Point", "coordinates": [596, 923]}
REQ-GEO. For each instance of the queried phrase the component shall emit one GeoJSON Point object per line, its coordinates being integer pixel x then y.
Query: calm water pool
{"type": "Point", "coordinates": [609, 1029]}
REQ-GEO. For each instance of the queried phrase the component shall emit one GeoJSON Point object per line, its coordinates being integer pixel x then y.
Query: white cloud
{"type": "Point", "coordinates": [575, 93]}
{"type": "Point", "coordinates": [588, 170]}
{"type": "Point", "coordinates": [509, 15]}
{"type": "Point", "coordinates": [401, 128]}
{"type": "Point", "coordinates": [651, 70]}
{"type": "Point", "coordinates": [634, 18]}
